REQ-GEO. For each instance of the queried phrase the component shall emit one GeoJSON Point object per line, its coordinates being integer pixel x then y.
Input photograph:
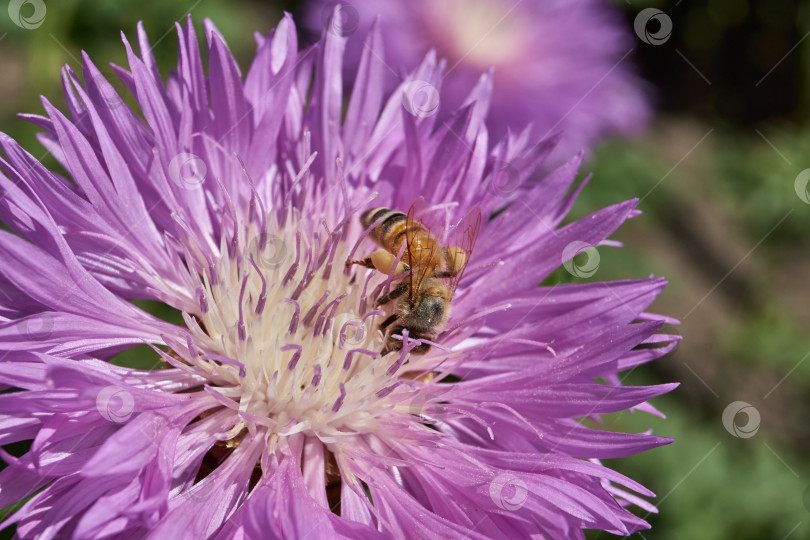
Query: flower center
{"type": "Point", "coordinates": [289, 335]}
{"type": "Point", "coordinates": [479, 32]}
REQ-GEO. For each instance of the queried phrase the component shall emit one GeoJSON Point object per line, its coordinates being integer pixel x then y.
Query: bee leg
{"type": "Point", "coordinates": [422, 348]}
{"type": "Point", "coordinates": [444, 274]}
{"type": "Point", "coordinates": [382, 261]}
{"type": "Point", "coordinates": [364, 262]}
{"type": "Point", "coordinates": [387, 322]}
{"type": "Point", "coordinates": [456, 258]}
{"type": "Point", "coordinates": [398, 291]}
{"type": "Point", "coordinates": [393, 344]}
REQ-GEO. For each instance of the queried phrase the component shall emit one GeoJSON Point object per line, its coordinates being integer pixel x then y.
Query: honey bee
{"type": "Point", "coordinates": [431, 270]}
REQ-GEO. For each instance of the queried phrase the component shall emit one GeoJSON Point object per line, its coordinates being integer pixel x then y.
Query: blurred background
{"type": "Point", "coordinates": [726, 214]}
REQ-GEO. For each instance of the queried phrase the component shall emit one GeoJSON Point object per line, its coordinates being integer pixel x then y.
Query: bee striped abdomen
{"type": "Point", "coordinates": [390, 231]}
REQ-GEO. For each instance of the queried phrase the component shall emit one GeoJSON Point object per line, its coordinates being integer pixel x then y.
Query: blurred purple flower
{"type": "Point", "coordinates": [561, 65]}
{"type": "Point", "coordinates": [272, 414]}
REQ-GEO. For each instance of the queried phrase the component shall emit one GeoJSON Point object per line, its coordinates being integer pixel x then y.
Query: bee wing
{"type": "Point", "coordinates": [461, 242]}
{"type": "Point", "coordinates": [422, 229]}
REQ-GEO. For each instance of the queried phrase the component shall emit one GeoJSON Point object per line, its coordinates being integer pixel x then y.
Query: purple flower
{"type": "Point", "coordinates": [561, 65]}
{"type": "Point", "coordinates": [271, 414]}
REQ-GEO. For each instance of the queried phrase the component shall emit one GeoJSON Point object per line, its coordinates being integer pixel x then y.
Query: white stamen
{"type": "Point", "coordinates": [290, 343]}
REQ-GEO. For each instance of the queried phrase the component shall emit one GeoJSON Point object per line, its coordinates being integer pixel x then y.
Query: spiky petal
{"type": "Point", "coordinates": [234, 200]}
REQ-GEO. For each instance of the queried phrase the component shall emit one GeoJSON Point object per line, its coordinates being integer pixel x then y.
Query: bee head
{"type": "Point", "coordinates": [430, 310]}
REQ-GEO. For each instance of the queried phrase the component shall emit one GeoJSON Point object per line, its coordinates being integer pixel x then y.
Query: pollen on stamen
{"type": "Point", "coordinates": [303, 338]}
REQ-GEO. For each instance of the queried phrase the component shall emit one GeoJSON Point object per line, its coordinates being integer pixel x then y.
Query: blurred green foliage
{"type": "Point", "coordinates": [746, 488]}
{"type": "Point", "coordinates": [718, 486]}
{"type": "Point", "coordinates": [31, 59]}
